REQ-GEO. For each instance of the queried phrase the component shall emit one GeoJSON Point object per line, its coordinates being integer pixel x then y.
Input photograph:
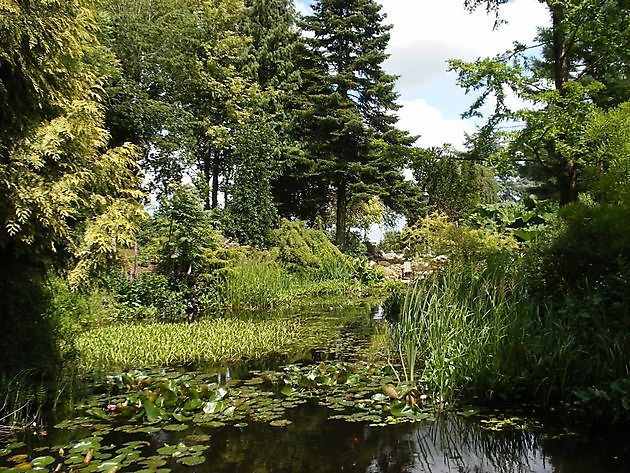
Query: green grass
{"type": "Point", "coordinates": [217, 340]}
{"type": "Point", "coordinates": [474, 333]}
{"type": "Point", "coordinates": [461, 329]}
{"type": "Point", "coordinates": [262, 284]}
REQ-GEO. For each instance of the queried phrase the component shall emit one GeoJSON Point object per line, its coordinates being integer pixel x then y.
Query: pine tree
{"type": "Point", "coordinates": [356, 149]}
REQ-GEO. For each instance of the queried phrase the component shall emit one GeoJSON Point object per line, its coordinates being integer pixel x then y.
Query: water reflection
{"type": "Point", "coordinates": [314, 444]}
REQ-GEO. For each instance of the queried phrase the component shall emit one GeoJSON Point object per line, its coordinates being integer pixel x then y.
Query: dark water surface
{"type": "Point", "coordinates": [313, 442]}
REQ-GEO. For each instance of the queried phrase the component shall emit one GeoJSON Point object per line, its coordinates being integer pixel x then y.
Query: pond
{"type": "Point", "coordinates": [318, 411]}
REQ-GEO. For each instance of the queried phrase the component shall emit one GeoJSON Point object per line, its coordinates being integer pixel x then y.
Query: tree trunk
{"type": "Point", "coordinates": [560, 48]}
{"type": "Point", "coordinates": [342, 214]}
{"type": "Point", "coordinates": [567, 179]}
{"type": "Point", "coordinates": [216, 169]}
{"type": "Point", "coordinates": [207, 162]}
{"type": "Point", "coordinates": [567, 183]}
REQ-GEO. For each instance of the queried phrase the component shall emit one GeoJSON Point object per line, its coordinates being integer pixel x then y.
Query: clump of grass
{"type": "Point", "coordinates": [217, 340]}
{"type": "Point", "coordinates": [460, 329]}
{"type": "Point", "coordinates": [259, 283]}
{"type": "Point", "coordinates": [21, 400]}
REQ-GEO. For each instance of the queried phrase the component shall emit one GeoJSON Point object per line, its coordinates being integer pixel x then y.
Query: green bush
{"type": "Point", "coordinates": [590, 253]}
{"type": "Point", "coordinates": [309, 252]}
{"type": "Point", "coordinates": [149, 296]}
{"type": "Point", "coordinates": [435, 234]}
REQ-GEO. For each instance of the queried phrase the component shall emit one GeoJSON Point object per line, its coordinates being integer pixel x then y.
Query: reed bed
{"type": "Point", "coordinates": [215, 341]}
{"type": "Point", "coordinates": [461, 329]}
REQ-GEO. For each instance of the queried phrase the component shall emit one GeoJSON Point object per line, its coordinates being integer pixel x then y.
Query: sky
{"type": "Point", "coordinates": [425, 34]}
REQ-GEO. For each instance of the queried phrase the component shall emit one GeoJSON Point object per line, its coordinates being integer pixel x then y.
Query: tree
{"type": "Point", "coordinates": [62, 192]}
{"type": "Point", "coordinates": [151, 41]}
{"type": "Point", "coordinates": [452, 183]}
{"type": "Point", "coordinates": [355, 147]}
{"type": "Point", "coordinates": [584, 66]}
{"type": "Point", "coordinates": [187, 84]}
{"type": "Point", "coordinates": [250, 212]}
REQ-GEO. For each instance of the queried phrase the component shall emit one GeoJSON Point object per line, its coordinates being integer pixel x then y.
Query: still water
{"type": "Point", "coordinates": [310, 441]}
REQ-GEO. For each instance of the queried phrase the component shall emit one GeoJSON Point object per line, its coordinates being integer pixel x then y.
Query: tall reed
{"type": "Point", "coordinates": [462, 329]}
{"type": "Point", "coordinates": [260, 283]}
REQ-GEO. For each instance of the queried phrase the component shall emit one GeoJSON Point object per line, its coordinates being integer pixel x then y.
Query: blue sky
{"type": "Point", "coordinates": [428, 32]}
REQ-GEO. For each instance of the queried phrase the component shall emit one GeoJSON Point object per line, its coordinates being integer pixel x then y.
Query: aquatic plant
{"type": "Point", "coordinates": [212, 340]}
{"type": "Point", "coordinates": [460, 329]}
{"type": "Point", "coordinates": [257, 282]}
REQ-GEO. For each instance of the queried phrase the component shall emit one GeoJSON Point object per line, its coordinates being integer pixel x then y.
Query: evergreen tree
{"type": "Point", "coordinates": [62, 191]}
{"type": "Point", "coordinates": [356, 146]}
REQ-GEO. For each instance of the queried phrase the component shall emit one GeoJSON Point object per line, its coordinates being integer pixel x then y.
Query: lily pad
{"type": "Point", "coordinates": [192, 460]}
{"type": "Point", "coordinates": [42, 462]}
{"type": "Point", "coordinates": [175, 427]}
{"type": "Point", "coordinates": [280, 423]}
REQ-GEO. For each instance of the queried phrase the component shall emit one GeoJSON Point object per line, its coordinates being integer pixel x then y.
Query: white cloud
{"type": "Point", "coordinates": [426, 34]}
{"type": "Point", "coordinates": [303, 7]}
{"type": "Point", "coordinates": [420, 118]}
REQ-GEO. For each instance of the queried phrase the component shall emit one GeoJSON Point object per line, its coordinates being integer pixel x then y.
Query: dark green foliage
{"type": "Point", "coordinates": [28, 338]}
{"type": "Point", "coordinates": [184, 232]}
{"type": "Point", "coordinates": [527, 219]}
{"type": "Point", "coordinates": [309, 251]}
{"type": "Point", "coordinates": [250, 214]}
{"type": "Point", "coordinates": [353, 144]}
{"type": "Point", "coordinates": [453, 184]}
{"type": "Point", "coordinates": [591, 254]}
{"type": "Point", "coordinates": [149, 296]}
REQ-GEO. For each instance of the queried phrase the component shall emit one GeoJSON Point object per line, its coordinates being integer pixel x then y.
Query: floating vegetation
{"type": "Point", "coordinates": [358, 392]}
{"type": "Point", "coordinates": [213, 341]}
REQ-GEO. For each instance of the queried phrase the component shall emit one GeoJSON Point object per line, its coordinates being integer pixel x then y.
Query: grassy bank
{"type": "Point", "coordinates": [469, 333]}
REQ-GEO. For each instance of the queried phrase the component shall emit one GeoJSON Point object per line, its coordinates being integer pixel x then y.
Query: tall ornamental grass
{"type": "Point", "coordinates": [460, 329]}
{"type": "Point", "coordinates": [474, 331]}
{"type": "Point", "coordinates": [214, 341]}
{"type": "Point", "coordinates": [260, 283]}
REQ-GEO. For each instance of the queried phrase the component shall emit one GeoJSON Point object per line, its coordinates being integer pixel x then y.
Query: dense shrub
{"type": "Point", "coordinates": [436, 234]}
{"type": "Point", "coordinates": [308, 251]}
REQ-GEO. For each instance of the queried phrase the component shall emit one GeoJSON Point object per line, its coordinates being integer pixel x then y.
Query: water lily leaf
{"type": "Point", "coordinates": [241, 425]}
{"type": "Point", "coordinates": [287, 390]}
{"type": "Point", "coordinates": [152, 412]}
{"type": "Point", "coordinates": [167, 449]}
{"type": "Point", "coordinates": [98, 413]}
{"type": "Point", "coordinates": [192, 460]}
{"type": "Point", "coordinates": [379, 397]}
{"type": "Point", "coordinates": [85, 445]}
{"type": "Point", "coordinates": [17, 458]}
{"type": "Point", "coordinates": [212, 407]}
{"type": "Point", "coordinates": [280, 422]}
{"type": "Point", "coordinates": [154, 462]}
{"type": "Point", "coordinates": [26, 466]}
{"type": "Point", "coordinates": [214, 424]}
{"type": "Point", "coordinates": [400, 409]}
{"type": "Point", "coordinates": [175, 427]}
{"type": "Point", "coordinates": [148, 429]}
{"type": "Point", "coordinates": [192, 404]}
{"type": "Point", "coordinates": [197, 438]}
{"type": "Point", "coordinates": [181, 417]}
{"type": "Point", "coordinates": [219, 394]}
{"type": "Point", "coordinates": [15, 445]}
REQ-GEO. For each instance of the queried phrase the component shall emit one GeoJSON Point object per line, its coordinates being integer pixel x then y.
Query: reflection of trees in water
{"type": "Point", "coordinates": [453, 444]}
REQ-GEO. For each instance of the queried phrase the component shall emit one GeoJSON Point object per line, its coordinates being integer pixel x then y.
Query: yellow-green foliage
{"type": "Point", "coordinates": [435, 234]}
{"type": "Point", "coordinates": [60, 188]}
{"type": "Point", "coordinates": [303, 249]}
{"type": "Point", "coordinates": [214, 341]}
